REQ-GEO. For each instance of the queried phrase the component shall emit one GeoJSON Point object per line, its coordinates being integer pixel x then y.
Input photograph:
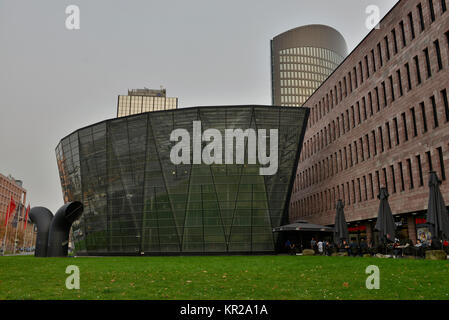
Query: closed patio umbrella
{"type": "Point", "coordinates": [385, 221]}
{"type": "Point", "coordinates": [437, 215]}
{"type": "Point", "coordinates": [340, 228]}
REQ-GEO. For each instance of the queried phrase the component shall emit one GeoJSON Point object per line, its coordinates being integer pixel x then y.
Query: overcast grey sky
{"type": "Point", "coordinates": [206, 52]}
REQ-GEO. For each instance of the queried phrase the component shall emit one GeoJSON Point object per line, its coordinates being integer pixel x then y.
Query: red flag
{"type": "Point", "coordinates": [26, 217]}
{"type": "Point", "coordinates": [6, 216]}
{"type": "Point", "coordinates": [11, 208]}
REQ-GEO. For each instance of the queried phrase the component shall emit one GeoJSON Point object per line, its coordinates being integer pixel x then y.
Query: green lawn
{"type": "Point", "coordinates": [223, 277]}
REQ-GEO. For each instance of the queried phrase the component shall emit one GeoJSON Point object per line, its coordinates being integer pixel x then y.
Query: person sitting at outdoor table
{"type": "Point", "coordinates": [419, 248]}
{"type": "Point", "coordinates": [328, 248]}
{"type": "Point", "coordinates": [388, 247]}
{"type": "Point", "coordinates": [363, 247]}
{"type": "Point", "coordinates": [372, 249]}
{"type": "Point", "coordinates": [425, 244]}
{"type": "Point", "coordinates": [396, 248]}
{"type": "Point", "coordinates": [320, 247]}
{"type": "Point", "coordinates": [435, 244]}
{"type": "Point", "coordinates": [353, 248]}
{"type": "Point", "coordinates": [292, 248]}
{"type": "Point", "coordinates": [407, 248]}
{"type": "Point", "coordinates": [401, 248]}
{"type": "Point", "coordinates": [343, 246]}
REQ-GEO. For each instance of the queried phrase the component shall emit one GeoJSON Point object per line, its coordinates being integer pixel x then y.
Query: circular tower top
{"type": "Point", "coordinates": [313, 35]}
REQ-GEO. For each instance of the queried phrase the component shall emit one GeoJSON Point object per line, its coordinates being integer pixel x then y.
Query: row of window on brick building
{"type": "Point", "coordinates": [400, 129]}
{"type": "Point", "coordinates": [405, 175]}
{"type": "Point", "coordinates": [8, 189]}
{"type": "Point", "coordinates": [373, 103]}
{"type": "Point", "coordinates": [379, 56]}
{"type": "Point", "coordinates": [385, 136]}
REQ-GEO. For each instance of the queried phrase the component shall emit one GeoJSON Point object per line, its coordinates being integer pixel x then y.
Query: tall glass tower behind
{"type": "Point", "coordinates": [301, 59]}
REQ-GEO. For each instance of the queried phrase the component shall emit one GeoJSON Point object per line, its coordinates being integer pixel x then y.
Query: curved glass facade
{"type": "Point", "coordinates": [138, 202]}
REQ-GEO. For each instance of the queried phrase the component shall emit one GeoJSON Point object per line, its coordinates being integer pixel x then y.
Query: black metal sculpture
{"type": "Point", "coordinates": [41, 217]}
{"type": "Point", "coordinates": [58, 238]}
{"type": "Point", "coordinates": [53, 232]}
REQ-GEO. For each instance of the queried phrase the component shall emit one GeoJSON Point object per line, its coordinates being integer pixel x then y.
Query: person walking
{"type": "Point", "coordinates": [326, 248]}
{"type": "Point", "coordinates": [313, 244]}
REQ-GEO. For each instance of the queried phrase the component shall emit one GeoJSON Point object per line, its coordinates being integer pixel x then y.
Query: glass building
{"type": "Point", "coordinates": [144, 100]}
{"type": "Point", "coordinates": [301, 59]}
{"type": "Point", "coordinates": [138, 202]}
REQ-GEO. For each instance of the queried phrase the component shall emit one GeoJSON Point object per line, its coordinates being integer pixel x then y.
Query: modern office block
{"type": "Point", "coordinates": [144, 100]}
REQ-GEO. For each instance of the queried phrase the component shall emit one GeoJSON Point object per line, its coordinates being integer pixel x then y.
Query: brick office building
{"type": "Point", "coordinates": [10, 187]}
{"type": "Point", "coordinates": [381, 119]}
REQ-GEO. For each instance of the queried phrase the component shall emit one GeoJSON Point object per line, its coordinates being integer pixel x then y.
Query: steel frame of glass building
{"type": "Point", "coordinates": [137, 202]}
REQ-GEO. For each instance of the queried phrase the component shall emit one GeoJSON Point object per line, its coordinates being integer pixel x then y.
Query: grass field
{"type": "Point", "coordinates": [223, 277]}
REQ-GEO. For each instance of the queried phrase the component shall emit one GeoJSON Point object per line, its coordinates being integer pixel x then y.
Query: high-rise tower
{"type": "Point", "coordinates": [301, 59]}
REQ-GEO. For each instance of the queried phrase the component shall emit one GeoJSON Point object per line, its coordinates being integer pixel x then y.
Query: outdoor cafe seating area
{"type": "Point", "coordinates": [398, 249]}
{"type": "Point", "coordinates": [387, 245]}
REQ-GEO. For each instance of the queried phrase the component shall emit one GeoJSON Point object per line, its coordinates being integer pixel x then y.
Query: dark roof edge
{"type": "Point", "coordinates": [179, 109]}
